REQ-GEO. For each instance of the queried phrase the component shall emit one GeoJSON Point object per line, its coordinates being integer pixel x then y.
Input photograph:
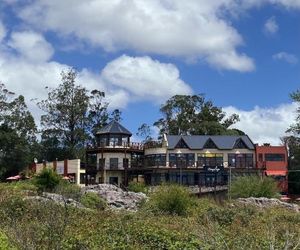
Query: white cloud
{"type": "Point", "coordinates": [31, 45]}
{"type": "Point", "coordinates": [124, 80]}
{"type": "Point", "coordinates": [190, 29]}
{"type": "Point", "coordinates": [284, 56]}
{"type": "Point", "coordinates": [145, 78]}
{"type": "Point", "coordinates": [271, 26]}
{"type": "Point", "coordinates": [265, 125]}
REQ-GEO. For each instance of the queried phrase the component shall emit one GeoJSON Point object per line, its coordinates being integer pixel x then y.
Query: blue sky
{"type": "Point", "coordinates": [242, 54]}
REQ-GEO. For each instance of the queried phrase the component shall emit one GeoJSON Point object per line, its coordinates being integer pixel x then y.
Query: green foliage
{"type": "Point", "coordinates": [17, 133]}
{"type": "Point", "coordinates": [294, 181]}
{"type": "Point", "coordinates": [192, 114]}
{"type": "Point", "coordinates": [47, 180]}
{"type": "Point", "coordinates": [68, 190]}
{"type": "Point", "coordinates": [93, 201]}
{"type": "Point", "coordinates": [28, 224]}
{"type": "Point", "coordinates": [171, 199]}
{"type": "Point", "coordinates": [137, 187]}
{"type": "Point", "coordinates": [254, 186]}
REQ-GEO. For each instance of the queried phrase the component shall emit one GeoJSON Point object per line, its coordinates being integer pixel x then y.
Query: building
{"type": "Point", "coordinates": [274, 162]}
{"type": "Point", "coordinates": [113, 155]}
{"type": "Point", "coordinates": [69, 169]}
{"type": "Point", "coordinates": [188, 160]}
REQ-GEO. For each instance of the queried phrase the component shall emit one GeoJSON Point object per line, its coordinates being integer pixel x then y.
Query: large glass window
{"type": "Point", "coordinates": [240, 160]}
{"type": "Point", "coordinates": [155, 160]}
{"type": "Point", "coordinates": [181, 160]}
{"type": "Point", "coordinates": [210, 159]}
{"type": "Point", "coordinates": [113, 163]}
{"type": "Point", "coordinates": [274, 157]}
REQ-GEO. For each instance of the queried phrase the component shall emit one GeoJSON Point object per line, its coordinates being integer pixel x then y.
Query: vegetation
{"type": "Point", "coordinates": [47, 180]}
{"type": "Point", "coordinates": [253, 186]}
{"type": "Point", "coordinates": [171, 199]}
{"type": "Point", "coordinates": [137, 187]}
{"type": "Point", "coordinates": [28, 224]}
{"type": "Point", "coordinates": [93, 201]}
{"type": "Point", "coordinates": [193, 115]}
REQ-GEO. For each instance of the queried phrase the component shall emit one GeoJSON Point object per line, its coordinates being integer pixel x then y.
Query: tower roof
{"type": "Point", "coordinates": [114, 128]}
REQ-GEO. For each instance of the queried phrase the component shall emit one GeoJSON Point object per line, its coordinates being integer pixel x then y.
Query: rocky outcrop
{"type": "Point", "coordinates": [57, 198]}
{"type": "Point", "coordinates": [266, 203]}
{"type": "Point", "coordinates": [115, 197]}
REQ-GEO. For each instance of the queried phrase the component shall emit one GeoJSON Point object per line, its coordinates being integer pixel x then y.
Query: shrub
{"type": "Point", "coordinates": [253, 186]}
{"type": "Point", "coordinates": [68, 190]}
{"type": "Point", "coordinates": [93, 201]}
{"type": "Point", "coordinates": [47, 180]}
{"type": "Point", "coordinates": [137, 187]}
{"type": "Point", "coordinates": [171, 199]}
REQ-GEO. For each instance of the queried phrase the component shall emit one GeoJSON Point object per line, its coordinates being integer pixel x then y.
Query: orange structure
{"type": "Point", "coordinates": [274, 161]}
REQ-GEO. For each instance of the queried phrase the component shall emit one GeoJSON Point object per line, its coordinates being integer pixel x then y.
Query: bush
{"type": "Point", "coordinates": [171, 199]}
{"type": "Point", "coordinates": [93, 201]}
{"type": "Point", "coordinates": [137, 187]}
{"type": "Point", "coordinates": [68, 190]}
{"type": "Point", "coordinates": [254, 186]}
{"type": "Point", "coordinates": [47, 180]}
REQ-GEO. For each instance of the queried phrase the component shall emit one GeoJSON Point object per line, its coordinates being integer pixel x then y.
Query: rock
{"type": "Point", "coordinates": [115, 197]}
{"type": "Point", "coordinates": [57, 198]}
{"type": "Point", "coordinates": [268, 202]}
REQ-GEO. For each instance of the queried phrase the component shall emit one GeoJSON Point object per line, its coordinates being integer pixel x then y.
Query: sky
{"type": "Point", "coordinates": [244, 55]}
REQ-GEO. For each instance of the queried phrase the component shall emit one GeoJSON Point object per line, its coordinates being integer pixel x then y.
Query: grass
{"type": "Point", "coordinates": [204, 225]}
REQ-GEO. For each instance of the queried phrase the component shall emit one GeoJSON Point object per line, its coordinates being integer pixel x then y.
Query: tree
{"type": "Point", "coordinates": [72, 116]}
{"type": "Point", "coordinates": [144, 131]}
{"type": "Point", "coordinates": [193, 115]}
{"type": "Point", "coordinates": [17, 133]}
{"type": "Point", "coordinates": [292, 141]}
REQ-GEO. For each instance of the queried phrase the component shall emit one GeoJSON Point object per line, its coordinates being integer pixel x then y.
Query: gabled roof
{"type": "Point", "coordinates": [198, 141]}
{"type": "Point", "coordinates": [114, 128]}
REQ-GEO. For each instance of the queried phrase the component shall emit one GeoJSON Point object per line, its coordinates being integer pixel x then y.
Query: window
{"type": "Point", "coordinates": [260, 157]}
{"type": "Point", "coordinates": [113, 163]}
{"type": "Point", "coordinates": [274, 157]}
{"type": "Point", "coordinates": [209, 144]}
{"type": "Point", "coordinates": [155, 160]}
{"type": "Point", "coordinates": [101, 163]}
{"type": "Point", "coordinates": [181, 144]}
{"type": "Point", "coordinates": [181, 160]}
{"type": "Point", "coordinates": [240, 160]}
{"type": "Point", "coordinates": [240, 144]}
{"type": "Point", "coordinates": [209, 159]}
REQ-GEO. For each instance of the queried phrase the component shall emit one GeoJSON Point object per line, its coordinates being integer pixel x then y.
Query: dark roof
{"type": "Point", "coordinates": [198, 141]}
{"type": "Point", "coordinates": [114, 128]}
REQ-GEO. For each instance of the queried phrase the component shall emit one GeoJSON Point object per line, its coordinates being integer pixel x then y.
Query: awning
{"type": "Point", "coordinates": [17, 177]}
{"type": "Point", "coordinates": [276, 172]}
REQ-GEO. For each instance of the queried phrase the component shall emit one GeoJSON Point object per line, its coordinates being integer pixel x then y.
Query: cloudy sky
{"type": "Point", "coordinates": [243, 54]}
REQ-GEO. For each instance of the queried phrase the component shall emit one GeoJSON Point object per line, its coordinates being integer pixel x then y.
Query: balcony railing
{"type": "Point", "coordinates": [123, 145]}
{"type": "Point", "coordinates": [153, 144]}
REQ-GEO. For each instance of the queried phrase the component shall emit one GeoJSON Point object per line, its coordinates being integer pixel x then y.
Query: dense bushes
{"type": "Point", "coordinates": [26, 224]}
{"type": "Point", "coordinates": [137, 187]}
{"type": "Point", "coordinates": [93, 201]}
{"type": "Point", "coordinates": [253, 186]}
{"type": "Point", "coordinates": [171, 199]}
{"type": "Point", "coordinates": [47, 180]}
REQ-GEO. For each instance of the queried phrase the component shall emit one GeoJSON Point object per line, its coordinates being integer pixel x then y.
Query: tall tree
{"type": "Point", "coordinates": [193, 115]}
{"type": "Point", "coordinates": [17, 133]}
{"type": "Point", "coordinates": [72, 116]}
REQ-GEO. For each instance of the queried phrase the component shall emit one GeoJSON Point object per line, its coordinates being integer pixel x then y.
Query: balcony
{"type": "Point", "coordinates": [115, 145]}
{"type": "Point", "coordinates": [153, 144]}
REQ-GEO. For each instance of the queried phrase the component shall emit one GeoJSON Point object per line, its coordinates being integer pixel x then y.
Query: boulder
{"type": "Point", "coordinates": [268, 202]}
{"type": "Point", "coordinates": [115, 197]}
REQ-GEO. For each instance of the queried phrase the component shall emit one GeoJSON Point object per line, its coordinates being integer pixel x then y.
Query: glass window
{"type": "Point", "coordinates": [240, 160]}
{"type": "Point", "coordinates": [274, 157]}
{"type": "Point", "coordinates": [155, 160]}
{"type": "Point", "coordinates": [181, 160]}
{"type": "Point", "coordinates": [210, 159]}
{"type": "Point", "coordinates": [114, 162]}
